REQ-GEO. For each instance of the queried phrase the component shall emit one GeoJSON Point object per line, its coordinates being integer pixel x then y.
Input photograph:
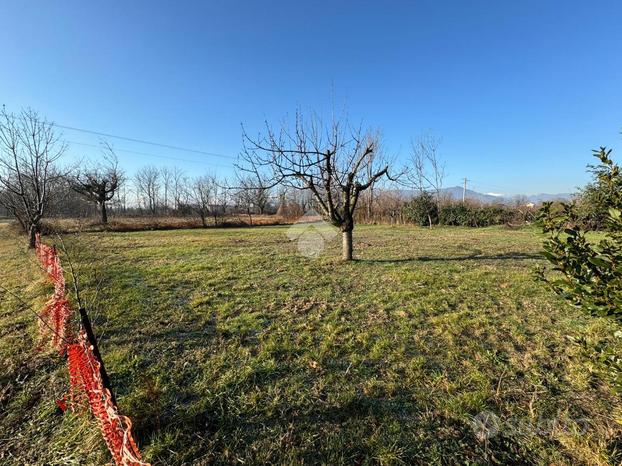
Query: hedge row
{"type": "Point", "coordinates": [424, 211]}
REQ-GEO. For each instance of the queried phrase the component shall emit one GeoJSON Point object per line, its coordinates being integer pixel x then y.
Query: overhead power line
{"type": "Point", "coordinates": [143, 141]}
{"type": "Point", "coordinates": [179, 159]}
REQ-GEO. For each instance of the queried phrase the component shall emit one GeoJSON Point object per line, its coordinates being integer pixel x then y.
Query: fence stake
{"type": "Point", "coordinates": [86, 324]}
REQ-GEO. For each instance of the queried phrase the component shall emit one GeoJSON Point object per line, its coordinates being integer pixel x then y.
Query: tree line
{"type": "Point", "coordinates": [338, 169]}
{"type": "Point", "coordinates": [332, 168]}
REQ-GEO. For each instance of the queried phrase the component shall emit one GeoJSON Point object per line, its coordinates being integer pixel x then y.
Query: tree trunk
{"type": "Point", "coordinates": [32, 236]}
{"type": "Point", "coordinates": [347, 245]}
{"type": "Point", "coordinates": [104, 212]}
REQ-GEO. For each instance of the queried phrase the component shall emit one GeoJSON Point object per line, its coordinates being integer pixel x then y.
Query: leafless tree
{"type": "Point", "coordinates": [178, 186]}
{"type": "Point", "coordinates": [427, 170]}
{"type": "Point", "coordinates": [244, 202]}
{"type": "Point", "coordinates": [204, 192]}
{"type": "Point", "coordinates": [331, 161]}
{"type": "Point", "coordinates": [254, 193]}
{"type": "Point", "coordinates": [100, 183]}
{"type": "Point", "coordinates": [167, 184]}
{"type": "Point", "coordinates": [147, 181]}
{"type": "Point", "coordinates": [426, 173]}
{"type": "Point", "coordinates": [371, 198]}
{"type": "Point", "coordinates": [221, 198]}
{"type": "Point", "coordinates": [389, 206]}
{"type": "Point", "coordinates": [292, 203]}
{"type": "Point", "coordinates": [122, 198]}
{"type": "Point", "coordinates": [29, 152]}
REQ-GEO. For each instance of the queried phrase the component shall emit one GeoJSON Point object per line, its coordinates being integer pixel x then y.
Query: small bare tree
{"type": "Point", "coordinates": [178, 186]}
{"type": "Point", "coordinates": [29, 151]}
{"type": "Point", "coordinates": [100, 183]}
{"type": "Point", "coordinates": [427, 171]}
{"type": "Point", "coordinates": [253, 194]}
{"type": "Point", "coordinates": [331, 161]}
{"type": "Point", "coordinates": [203, 195]}
{"type": "Point", "coordinates": [147, 183]}
{"type": "Point", "coordinates": [167, 184]}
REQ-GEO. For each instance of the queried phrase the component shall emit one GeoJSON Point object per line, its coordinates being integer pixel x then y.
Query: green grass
{"type": "Point", "coordinates": [227, 346]}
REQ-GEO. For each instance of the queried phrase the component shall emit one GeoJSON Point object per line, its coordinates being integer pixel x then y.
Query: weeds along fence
{"type": "Point", "coordinates": [88, 381]}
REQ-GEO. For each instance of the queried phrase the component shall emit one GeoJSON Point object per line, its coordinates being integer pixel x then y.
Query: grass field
{"type": "Point", "coordinates": [228, 346]}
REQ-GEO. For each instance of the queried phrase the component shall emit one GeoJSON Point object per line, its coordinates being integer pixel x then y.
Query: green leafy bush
{"type": "Point", "coordinates": [597, 197]}
{"type": "Point", "coordinates": [475, 216]}
{"type": "Point", "coordinates": [590, 272]}
{"type": "Point", "coordinates": [422, 210]}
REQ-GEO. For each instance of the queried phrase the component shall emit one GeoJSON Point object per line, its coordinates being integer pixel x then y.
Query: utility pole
{"type": "Point", "coordinates": [464, 191]}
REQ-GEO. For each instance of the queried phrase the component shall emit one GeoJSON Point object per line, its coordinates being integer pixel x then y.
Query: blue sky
{"type": "Point", "coordinates": [519, 91]}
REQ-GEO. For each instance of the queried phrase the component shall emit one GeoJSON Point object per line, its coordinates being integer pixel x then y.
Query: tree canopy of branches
{"type": "Point", "coordinates": [205, 194]}
{"type": "Point", "coordinates": [426, 173]}
{"type": "Point", "coordinates": [147, 183]}
{"type": "Point", "coordinates": [29, 150]}
{"type": "Point", "coordinates": [336, 162]}
{"type": "Point", "coordinates": [99, 184]}
{"type": "Point", "coordinates": [251, 195]}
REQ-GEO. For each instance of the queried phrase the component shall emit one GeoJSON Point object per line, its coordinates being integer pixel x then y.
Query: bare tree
{"type": "Point", "coordinates": [147, 181]}
{"type": "Point", "coordinates": [246, 195]}
{"type": "Point", "coordinates": [203, 192]}
{"type": "Point", "coordinates": [221, 198]}
{"type": "Point", "coordinates": [167, 184]}
{"type": "Point", "coordinates": [100, 183]}
{"type": "Point", "coordinates": [254, 193]}
{"type": "Point", "coordinates": [178, 186]}
{"type": "Point", "coordinates": [331, 161]}
{"type": "Point", "coordinates": [29, 149]}
{"type": "Point", "coordinates": [427, 171]}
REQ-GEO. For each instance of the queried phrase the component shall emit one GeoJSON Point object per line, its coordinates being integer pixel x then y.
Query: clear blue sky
{"type": "Point", "coordinates": [520, 91]}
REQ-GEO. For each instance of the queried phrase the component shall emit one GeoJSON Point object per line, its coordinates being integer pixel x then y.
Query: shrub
{"type": "Point", "coordinates": [422, 210]}
{"type": "Point", "coordinates": [475, 216]}
{"type": "Point", "coordinates": [596, 198]}
{"type": "Point", "coordinates": [590, 272]}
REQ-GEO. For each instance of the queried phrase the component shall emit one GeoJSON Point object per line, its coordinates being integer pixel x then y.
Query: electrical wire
{"type": "Point", "coordinates": [143, 141]}
{"type": "Point", "coordinates": [179, 159]}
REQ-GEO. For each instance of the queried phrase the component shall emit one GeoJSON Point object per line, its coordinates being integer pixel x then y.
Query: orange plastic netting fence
{"type": "Point", "coordinates": [56, 312]}
{"type": "Point", "coordinates": [85, 374]}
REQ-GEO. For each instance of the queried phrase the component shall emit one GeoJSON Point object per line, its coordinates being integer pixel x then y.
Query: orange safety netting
{"type": "Point", "coordinates": [85, 376]}
{"type": "Point", "coordinates": [56, 312]}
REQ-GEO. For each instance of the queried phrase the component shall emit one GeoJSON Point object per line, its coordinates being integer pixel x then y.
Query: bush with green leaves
{"type": "Point", "coordinates": [597, 197]}
{"type": "Point", "coordinates": [422, 210]}
{"type": "Point", "coordinates": [589, 270]}
{"type": "Point", "coordinates": [467, 215]}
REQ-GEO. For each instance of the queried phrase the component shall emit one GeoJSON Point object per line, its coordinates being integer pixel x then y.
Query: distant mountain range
{"type": "Point", "coordinates": [455, 193]}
